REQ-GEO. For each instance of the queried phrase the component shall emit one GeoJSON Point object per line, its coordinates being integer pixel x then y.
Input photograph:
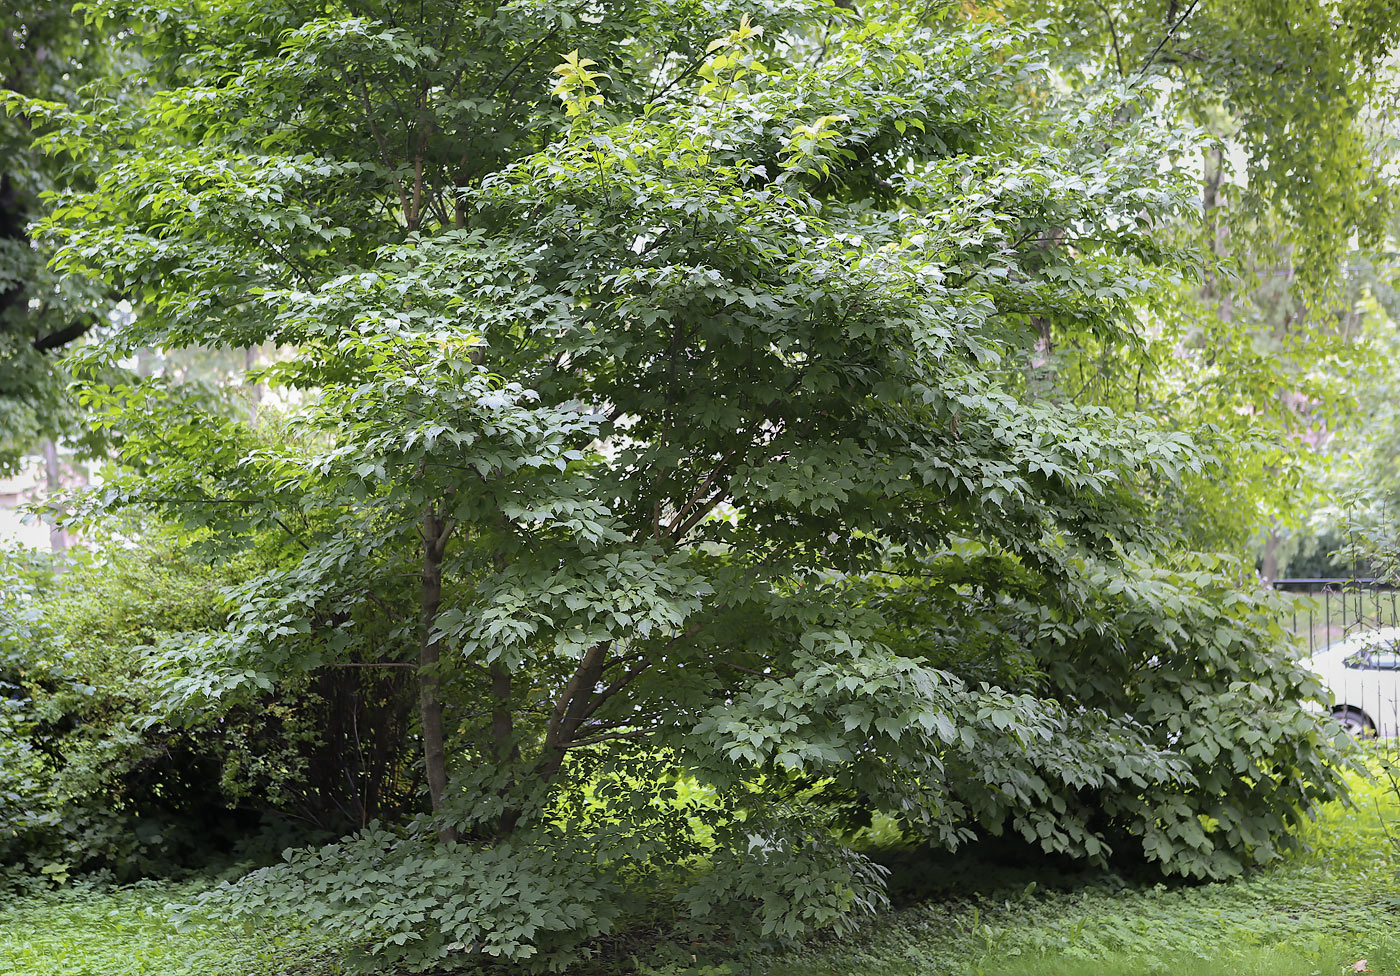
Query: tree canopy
{"type": "Point", "coordinates": [45, 53]}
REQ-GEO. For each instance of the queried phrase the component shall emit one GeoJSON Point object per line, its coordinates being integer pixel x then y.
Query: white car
{"type": "Point", "coordinates": [1363, 674]}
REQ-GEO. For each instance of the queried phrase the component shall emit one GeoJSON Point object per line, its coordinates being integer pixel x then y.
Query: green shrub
{"type": "Point", "coordinates": [1183, 736]}
{"type": "Point", "coordinates": [99, 775]}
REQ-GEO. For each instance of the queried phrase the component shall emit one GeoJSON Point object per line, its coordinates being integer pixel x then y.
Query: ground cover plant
{"type": "Point", "coordinates": [1316, 912]}
{"type": "Point", "coordinates": [1319, 912]}
{"type": "Point", "coordinates": [87, 930]}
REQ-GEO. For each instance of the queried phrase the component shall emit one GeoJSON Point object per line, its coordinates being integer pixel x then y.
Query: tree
{"type": "Point", "coordinates": [1291, 85]}
{"type": "Point", "coordinates": [673, 431]}
{"type": "Point", "coordinates": [45, 53]}
{"type": "Point", "coordinates": [1264, 348]}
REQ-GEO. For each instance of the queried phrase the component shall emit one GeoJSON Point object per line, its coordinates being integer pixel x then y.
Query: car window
{"type": "Point", "coordinates": [1385, 659]}
{"type": "Point", "coordinates": [1376, 657]}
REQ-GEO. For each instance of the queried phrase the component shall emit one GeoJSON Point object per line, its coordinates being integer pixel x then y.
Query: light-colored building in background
{"type": "Point", "coordinates": [18, 524]}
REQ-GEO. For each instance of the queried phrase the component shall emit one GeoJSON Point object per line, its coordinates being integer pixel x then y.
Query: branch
{"type": "Point", "coordinates": [565, 709]}
{"type": "Point", "coordinates": [699, 494]}
{"type": "Point", "coordinates": [372, 664]}
{"type": "Point", "coordinates": [678, 532]}
{"type": "Point", "coordinates": [761, 674]}
{"type": "Point", "coordinates": [63, 336]}
{"type": "Point", "coordinates": [690, 69]}
{"type": "Point", "coordinates": [623, 680]}
{"type": "Point", "coordinates": [382, 143]}
{"type": "Point", "coordinates": [1112, 36]}
{"type": "Point", "coordinates": [594, 740]}
{"type": "Point", "coordinates": [207, 501]}
{"type": "Point", "coordinates": [287, 529]}
{"type": "Point", "coordinates": [1171, 32]}
{"type": "Point", "coordinates": [617, 685]}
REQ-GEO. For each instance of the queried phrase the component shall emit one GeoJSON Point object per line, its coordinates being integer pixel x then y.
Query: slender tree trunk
{"type": "Point", "coordinates": [53, 477]}
{"type": "Point", "coordinates": [1212, 194]}
{"type": "Point", "coordinates": [504, 748]}
{"type": "Point", "coordinates": [1041, 377]}
{"type": "Point", "coordinates": [435, 533]}
{"type": "Point", "coordinates": [1268, 564]}
{"type": "Point", "coordinates": [255, 390]}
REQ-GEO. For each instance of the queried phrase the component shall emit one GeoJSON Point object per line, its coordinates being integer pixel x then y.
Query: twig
{"type": "Point", "coordinates": [1171, 32]}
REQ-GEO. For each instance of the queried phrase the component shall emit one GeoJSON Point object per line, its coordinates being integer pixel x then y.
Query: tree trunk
{"type": "Point", "coordinates": [58, 538]}
{"type": "Point", "coordinates": [1212, 194]}
{"type": "Point", "coordinates": [504, 748]}
{"type": "Point", "coordinates": [1041, 378]}
{"type": "Point", "coordinates": [435, 533]}
{"type": "Point", "coordinates": [570, 710]}
{"type": "Point", "coordinates": [1268, 564]}
{"type": "Point", "coordinates": [255, 390]}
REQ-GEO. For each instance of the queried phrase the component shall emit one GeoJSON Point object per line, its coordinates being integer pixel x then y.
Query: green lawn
{"type": "Point", "coordinates": [1314, 915]}
{"type": "Point", "coordinates": [127, 932]}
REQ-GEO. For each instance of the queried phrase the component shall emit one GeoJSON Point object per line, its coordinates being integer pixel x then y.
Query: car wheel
{"type": "Point", "coordinates": [1354, 720]}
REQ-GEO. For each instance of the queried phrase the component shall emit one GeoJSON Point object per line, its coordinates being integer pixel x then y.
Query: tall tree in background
{"type": "Point", "coordinates": [46, 53]}
{"type": "Point", "coordinates": [1267, 346]}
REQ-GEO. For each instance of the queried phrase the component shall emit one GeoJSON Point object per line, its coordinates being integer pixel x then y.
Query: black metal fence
{"type": "Point", "coordinates": [1364, 676]}
{"type": "Point", "coordinates": [1326, 610]}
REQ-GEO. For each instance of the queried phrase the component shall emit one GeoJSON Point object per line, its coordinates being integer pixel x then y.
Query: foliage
{"type": "Point", "coordinates": [677, 433]}
{"type": "Point", "coordinates": [96, 778]}
{"type": "Point", "coordinates": [22, 769]}
{"type": "Point", "coordinates": [1318, 910]}
{"type": "Point", "coordinates": [1266, 355]}
{"type": "Point", "coordinates": [92, 789]}
{"type": "Point", "coordinates": [127, 932]}
{"type": "Point", "coordinates": [1294, 87]}
{"type": "Point", "coordinates": [1189, 654]}
{"type": "Point", "coordinates": [46, 52]}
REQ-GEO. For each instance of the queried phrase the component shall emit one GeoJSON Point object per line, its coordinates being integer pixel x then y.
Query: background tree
{"type": "Point", "coordinates": [46, 52]}
{"type": "Point", "coordinates": [1265, 346]}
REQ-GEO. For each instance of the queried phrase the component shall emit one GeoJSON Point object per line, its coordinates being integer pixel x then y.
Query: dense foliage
{"type": "Point", "coordinates": [46, 52]}
{"type": "Point", "coordinates": [98, 779]}
{"type": "Point", "coordinates": [1313, 912]}
{"type": "Point", "coordinates": [666, 457]}
{"type": "Point", "coordinates": [1267, 355]}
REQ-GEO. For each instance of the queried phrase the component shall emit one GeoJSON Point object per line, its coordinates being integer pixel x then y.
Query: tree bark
{"type": "Point", "coordinates": [571, 709]}
{"type": "Point", "coordinates": [1212, 193]}
{"type": "Point", "coordinates": [435, 533]}
{"type": "Point", "coordinates": [255, 390]}
{"type": "Point", "coordinates": [1041, 378]}
{"type": "Point", "coordinates": [504, 748]}
{"type": "Point", "coordinates": [1268, 563]}
{"type": "Point", "coordinates": [53, 477]}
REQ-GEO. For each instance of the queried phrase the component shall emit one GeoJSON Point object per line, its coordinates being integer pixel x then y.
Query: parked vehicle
{"type": "Point", "coordinates": [1363, 673]}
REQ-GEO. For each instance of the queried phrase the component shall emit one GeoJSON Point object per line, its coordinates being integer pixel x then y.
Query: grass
{"type": "Point", "coordinates": [89, 931]}
{"type": "Point", "coordinates": [1313, 915]}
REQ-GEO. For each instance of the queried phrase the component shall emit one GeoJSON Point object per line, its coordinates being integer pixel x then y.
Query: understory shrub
{"type": "Point", "coordinates": [100, 776]}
